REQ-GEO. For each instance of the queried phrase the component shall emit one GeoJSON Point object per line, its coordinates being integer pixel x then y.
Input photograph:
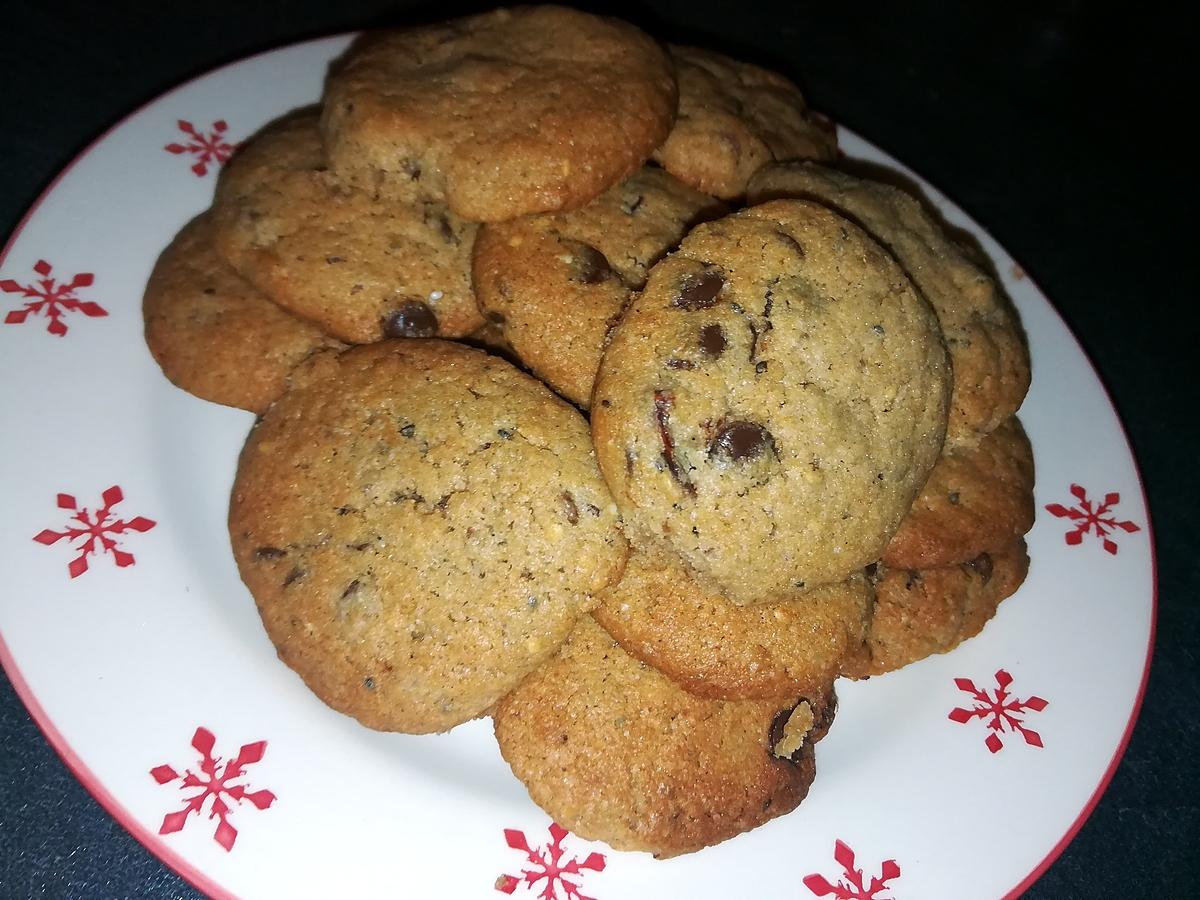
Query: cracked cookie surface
{"type": "Point", "coordinates": [616, 751]}
{"type": "Point", "coordinates": [360, 268]}
{"type": "Point", "coordinates": [734, 118]}
{"type": "Point", "coordinates": [554, 284]}
{"type": "Point", "coordinates": [516, 111]}
{"type": "Point", "coordinates": [403, 561]}
{"type": "Point", "coordinates": [213, 334]}
{"type": "Point", "coordinates": [981, 328]}
{"type": "Point", "coordinates": [772, 402]}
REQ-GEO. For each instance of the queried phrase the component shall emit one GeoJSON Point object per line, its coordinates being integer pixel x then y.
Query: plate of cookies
{"type": "Point", "coordinates": [513, 455]}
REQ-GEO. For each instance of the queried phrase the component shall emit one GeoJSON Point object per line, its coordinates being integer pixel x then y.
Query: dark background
{"type": "Point", "coordinates": [1058, 126]}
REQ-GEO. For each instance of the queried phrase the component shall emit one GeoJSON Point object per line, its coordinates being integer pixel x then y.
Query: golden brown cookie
{"type": "Point", "coordinates": [555, 283]}
{"type": "Point", "coordinates": [983, 334]}
{"type": "Point", "coordinates": [213, 334]}
{"type": "Point", "coordinates": [772, 402]}
{"type": "Point", "coordinates": [403, 561]}
{"type": "Point", "coordinates": [516, 111]}
{"type": "Point", "coordinates": [616, 751]}
{"type": "Point", "coordinates": [733, 119]}
{"type": "Point", "coordinates": [977, 500]}
{"type": "Point", "coordinates": [713, 648]}
{"type": "Point", "coordinates": [926, 611]}
{"type": "Point", "coordinates": [360, 268]}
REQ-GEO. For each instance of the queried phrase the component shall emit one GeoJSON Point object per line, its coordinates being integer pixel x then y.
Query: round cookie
{"type": "Point", "coordinates": [213, 334]}
{"type": "Point", "coordinates": [516, 111]}
{"type": "Point", "coordinates": [977, 500]}
{"type": "Point", "coordinates": [772, 402]}
{"type": "Point", "coordinates": [713, 648]}
{"type": "Point", "coordinates": [403, 561]}
{"type": "Point", "coordinates": [983, 334]}
{"type": "Point", "coordinates": [555, 283]}
{"type": "Point", "coordinates": [361, 268]}
{"type": "Point", "coordinates": [733, 119]}
{"type": "Point", "coordinates": [919, 613]}
{"type": "Point", "coordinates": [615, 751]}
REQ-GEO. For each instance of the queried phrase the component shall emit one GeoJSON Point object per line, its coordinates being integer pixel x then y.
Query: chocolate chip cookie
{"type": "Point", "coordinates": [772, 402]}
{"type": "Point", "coordinates": [734, 118]}
{"type": "Point", "coordinates": [713, 648]}
{"type": "Point", "coordinates": [360, 268]}
{"type": "Point", "coordinates": [555, 283]}
{"type": "Point", "coordinates": [981, 328]}
{"type": "Point", "coordinates": [926, 611]}
{"type": "Point", "coordinates": [213, 334]}
{"type": "Point", "coordinates": [516, 111]}
{"type": "Point", "coordinates": [616, 751]}
{"type": "Point", "coordinates": [977, 500]}
{"type": "Point", "coordinates": [403, 561]}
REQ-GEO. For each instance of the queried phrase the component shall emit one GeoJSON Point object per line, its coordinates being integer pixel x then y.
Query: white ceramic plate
{"type": "Point", "coordinates": [139, 652]}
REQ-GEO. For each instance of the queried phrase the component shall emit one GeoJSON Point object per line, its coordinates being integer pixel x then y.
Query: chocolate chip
{"type": "Point", "coordinates": [760, 367]}
{"type": "Point", "coordinates": [569, 507]}
{"type": "Point", "coordinates": [369, 683]}
{"type": "Point", "coordinates": [413, 319]}
{"type": "Point", "coordinates": [269, 553]}
{"type": "Point", "coordinates": [712, 340]}
{"type": "Point", "coordinates": [593, 509]}
{"type": "Point", "coordinates": [870, 570]}
{"type": "Point", "coordinates": [779, 733]}
{"type": "Point", "coordinates": [408, 430]}
{"type": "Point", "coordinates": [739, 441]}
{"type": "Point", "coordinates": [699, 291]}
{"type": "Point", "coordinates": [345, 510]}
{"type": "Point", "coordinates": [588, 265]}
{"type": "Point", "coordinates": [953, 498]}
{"type": "Point", "coordinates": [878, 329]}
{"type": "Point", "coordinates": [790, 242]}
{"type": "Point", "coordinates": [504, 433]}
{"type": "Point", "coordinates": [982, 564]}
{"type": "Point", "coordinates": [676, 363]}
{"type": "Point", "coordinates": [663, 401]}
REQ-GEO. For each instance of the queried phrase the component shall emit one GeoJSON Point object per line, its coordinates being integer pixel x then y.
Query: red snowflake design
{"type": "Point", "coordinates": [215, 786]}
{"type": "Point", "coordinates": [51, 299]}
{"type": "Point", "coordinates": [548, 864]}
{"type": "Point", "coordinates": [850, 886]}
{"type": "Point", "coordinates": [1100, 520]}
{"type": "Point", "coordinates": [1000, 709]}
{"type": "Point", "coordinates": [209, 149]}
{"type": "Point", "coordinates": [94, 530]}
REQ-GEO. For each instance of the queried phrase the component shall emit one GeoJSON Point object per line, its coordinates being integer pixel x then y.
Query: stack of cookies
{"type": "Point", "coordinates": [595, 398]}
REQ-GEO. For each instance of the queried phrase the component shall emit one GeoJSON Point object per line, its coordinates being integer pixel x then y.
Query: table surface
{"type": "Point", "coordinates": [1047, 123]}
